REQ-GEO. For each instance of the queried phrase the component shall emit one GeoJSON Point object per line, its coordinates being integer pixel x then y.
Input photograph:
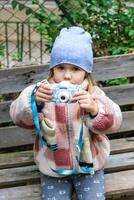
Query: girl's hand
{"type": "Point", "coordinates": [43, 93]}
{"type": "Point", "coordinates": [87, 103]}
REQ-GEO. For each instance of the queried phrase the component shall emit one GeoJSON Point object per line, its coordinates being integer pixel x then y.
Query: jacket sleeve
{"type": "Point", "coordinates": [109, 115]}
{"type": "Point", "coordinates": [20, 109]}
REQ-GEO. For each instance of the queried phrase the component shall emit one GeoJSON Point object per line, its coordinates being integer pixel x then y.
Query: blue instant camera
{"type": "Point", "coordinates": [63, 92]}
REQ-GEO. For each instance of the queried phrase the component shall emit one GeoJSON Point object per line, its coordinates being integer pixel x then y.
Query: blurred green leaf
{"type": "Point", "coordinates": [14, 4]}
{"type": "Point", "coordinates": [118, 81]}
{"type": "Point", "coordinates": [29, 11]}
{"type": "Point", "coordinates": [21, 6]}
{"type": "Point", "coordinates": [109, 22]}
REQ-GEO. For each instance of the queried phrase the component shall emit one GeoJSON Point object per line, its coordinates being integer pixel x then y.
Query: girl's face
{"type": "Point", "coordinates": [68, 72]}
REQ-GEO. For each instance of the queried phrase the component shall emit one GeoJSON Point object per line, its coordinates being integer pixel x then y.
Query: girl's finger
{"type": "Point", "coordinates": [44, 90]}
{"type": "Point", "coordinates": [41, 100]}
{"type": "Point", "coordinates": [82, 92]}
{"type": "Point", "coordinates": [81, 97]}
{"type": "Point", "coordinates": [83, 102]}
{"type": "Point", "coordinates": [45, 86]}
{"type": "Point", "coordinates": [43, 96]}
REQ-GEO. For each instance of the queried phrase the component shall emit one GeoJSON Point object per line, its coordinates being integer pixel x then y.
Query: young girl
{"type": "Point", "coordinates": [73, 147]}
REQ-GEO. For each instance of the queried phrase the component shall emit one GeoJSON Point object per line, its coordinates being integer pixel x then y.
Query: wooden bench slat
{"type": "Point", "coordinates": [4, 112]}
{"type": "Point", "coordinates": [17, 176]}
{"type": "Point", "coordinates": [123, 186]}
{"type": "Point", "coordinates": [23, 158]}
{"type": "Point", "coordinates": [111, 67]}
{"type": "Point", "coordinates": [122, 145]}
{"type": "Point", "coordinates": [16, 159]}
{"type": "Point", "coordinates": [127, 124]}
{"type": "Point", "coordinates": [119, 162]}
{"type": "Point", "coordinates": [120, 184]}
{"type": "Point", "coordinates": [14, 136]}
{"type": "Point", "coordinates": [25, 77]}
{"type": "Point", "coordinates": [115, 163]}
{"type": "Point", "coordinates": [16, 79]}
{"type": "Point", "coordinates": [30, 192]}
{"type": "Point", "coordinates": [122, 95]}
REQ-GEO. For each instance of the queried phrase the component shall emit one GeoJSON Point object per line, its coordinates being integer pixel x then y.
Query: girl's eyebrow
{"type": "Point", "coordinates": [61, 65]}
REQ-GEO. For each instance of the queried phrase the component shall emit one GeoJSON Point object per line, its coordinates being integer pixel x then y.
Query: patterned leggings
{"type": "Point", "coordinates": [87, 187]}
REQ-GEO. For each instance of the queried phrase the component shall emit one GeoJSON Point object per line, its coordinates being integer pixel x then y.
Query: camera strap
{"type": "Point", "coordinates": [85, 168]}
{"type": "Point", "coordinates": [43, 142]}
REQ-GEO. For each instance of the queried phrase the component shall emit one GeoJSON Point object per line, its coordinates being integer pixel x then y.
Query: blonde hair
{"type": "Point", "coordinates": [91, 81]}
{"type": "Point", "coordinates": [50, 74]}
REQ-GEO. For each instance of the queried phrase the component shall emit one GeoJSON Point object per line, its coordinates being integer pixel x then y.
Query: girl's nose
{"type": "Point", "coordinates": [67, 75]}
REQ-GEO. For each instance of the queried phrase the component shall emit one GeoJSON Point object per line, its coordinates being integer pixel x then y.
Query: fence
{"type": "Point", "coordinates": [28, 28]}
{"type": "Point", "coordinates": [20, 43]}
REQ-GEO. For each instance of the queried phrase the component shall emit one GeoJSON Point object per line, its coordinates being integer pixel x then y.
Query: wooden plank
{"type": "Point", "coordinates": [21, 77]}
{"type": "Point", "coordinates": [127, 123]}
{"type": "Point", "coordinates": [14, 137]}
{"type": "Point", "coordinates": [22, 137]}
{"type": "Point", "coordinates": [111, 67]}
{"type": "Point", "coordinates": [29, 192]}
{"type": "Point", "coordinates": [16, 159]}
{"type": "Point", "coordinates": [120, 184]}
{"type": "Point", "coordinates": [23, 158]}
{"type": "Point", "coordinates": [123, 186]}
{"type": "Point", "coordinates": [122, 145]}
{"type": "Point", "coordinates": [18, 176]}
{"type": "Point", "coordinates": [104, 68]}
{"type": "Point", "coordinates": [32, 192]}
{"type": "Point", "coordinates": [119, 162]}
{"type": "Point", "coordinates": [122, 198]}
{"type": "Point", "coordinates": [4, 112]}
{"type": "Point", "coordinates": [122, 95]}
{"type": "Point", "coordinates": [116, 162]}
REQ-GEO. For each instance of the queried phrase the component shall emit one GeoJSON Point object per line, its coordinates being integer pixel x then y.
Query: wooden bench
{"type": "Point", "coordinates": [19, 176]}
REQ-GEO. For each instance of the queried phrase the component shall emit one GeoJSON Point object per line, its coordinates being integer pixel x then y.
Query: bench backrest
{"type": "Point", "coordinates": [105, 68]}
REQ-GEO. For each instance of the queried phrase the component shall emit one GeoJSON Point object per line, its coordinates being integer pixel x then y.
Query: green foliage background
{"type": "Point", "coordinates": [111, 23]}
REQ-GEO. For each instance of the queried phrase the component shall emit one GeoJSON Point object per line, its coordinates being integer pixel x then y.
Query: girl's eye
{"type": "Point", "coordinates": [61, 67]}
{"type": "Point", "coordinates": [76, 69]}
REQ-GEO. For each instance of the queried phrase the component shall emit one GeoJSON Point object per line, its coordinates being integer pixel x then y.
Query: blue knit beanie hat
{"type": "Point", "coordinates": [73, 46]}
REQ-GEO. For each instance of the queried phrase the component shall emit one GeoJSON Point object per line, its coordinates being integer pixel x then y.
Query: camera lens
{"type": "Point", "coordinates": [63, 97]}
